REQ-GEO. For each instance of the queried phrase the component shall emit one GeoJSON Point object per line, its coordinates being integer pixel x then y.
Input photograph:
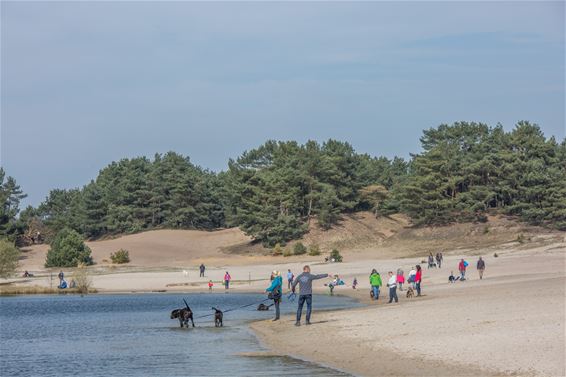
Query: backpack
{"type": "Point", "coordinates": [466, 264]}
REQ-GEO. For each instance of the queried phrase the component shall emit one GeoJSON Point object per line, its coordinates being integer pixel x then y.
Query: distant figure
{"type": "Point", "coordinates": [202, 268]}
{"type": "Point", "coordinates": [290, 278]}
{"type": "Point", "coordinates": [27, 274]}
{"type": "Point", "coordinates": [452, 278]}
{"type": "Point", "coordinates": [400, 279]}
{"type": "Point", "coordinates": [439, 259]}
{"type": "Point", "coordinates": [276, 291]}
{"type": "Point", "coordinates": [355, 283]}
{"type": "Point", "coordinates": [62, 284]}
{"type": "Point", "coordinates": [72, 284]}
{"type": "Point", "coordinates": [305, 292]}
{"type": "Point", "coordinates": [210, 285]}
{"type": "Point", "coordinates": [61, 276]}
{"type": "Point", "coordinates": [418, 279]}
{"type": "Point", "coordinates": [392, 284]}
{"type": "Point", "coordinates": [227, 279]}
{"type": "Point", "coordinates": [462, 268]}
{"type": "Point", "coordinates": [411, 278]}
{"type": "Point", "coordinates": [481, 267]}
{"type": "Point", "coordinates": [430, 260]}
{"type": "Point", "coordinates": [375, 283]}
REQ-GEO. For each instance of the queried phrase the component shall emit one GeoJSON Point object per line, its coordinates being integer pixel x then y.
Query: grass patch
{"type": "Point", "coordinates": [9, 290]}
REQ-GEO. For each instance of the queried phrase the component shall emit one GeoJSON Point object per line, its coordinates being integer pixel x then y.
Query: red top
{"type": "Point", "coordinates": [400, 279]}
{"type": "Point", "coordinates": [227, 277]}
{"type": "Point", "coordinates": [462, 266]}
{"type": "Point", "coordinates": [418, 276]}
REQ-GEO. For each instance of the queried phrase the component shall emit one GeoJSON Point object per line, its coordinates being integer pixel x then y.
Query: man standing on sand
{"type": "Point", "coordinates": [439, 259]}
{"type": "Point", "coordinates": [202, 269]}
{"type": "Point", "coordinates": [375, 282]}
{"type": "Point", "coordinates": [481, 267]}
{"type": "Point", "coordinates": [290, 277]}
{"type": "Point", "coordinates": [305, 292]}
{"type": "Point", "coordinates": [392, 284]}
{"type": "Point", "coordinates": [227, 279]}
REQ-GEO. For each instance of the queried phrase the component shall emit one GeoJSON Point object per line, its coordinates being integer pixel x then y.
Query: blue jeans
{"type": "Point", "coordinates": [418, 286]}
{"type": "Point", "coordinates": [302, 299]}
{"type": "Point", "coordinates": [375, 289]}
{"type": "Point", "coordinates": [393, 294]}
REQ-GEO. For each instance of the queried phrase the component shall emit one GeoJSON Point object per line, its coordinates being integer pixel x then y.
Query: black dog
{"type": "Point", "coordinates": [184, 315]}
{"type": "Point", "coordinates": [218, 317]}
{"type": "Point", "coordinates": [262, 307]}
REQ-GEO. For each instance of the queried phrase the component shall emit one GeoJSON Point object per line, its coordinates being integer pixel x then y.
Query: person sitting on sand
{"type": "Point", "coordinates": [62, 284]}
{"type": "Point", "coordinates": [276, 291]}
{"type": "Point", "coordinates": [375, 283]}
{"type": "Point", "coordinates": [305, 292]}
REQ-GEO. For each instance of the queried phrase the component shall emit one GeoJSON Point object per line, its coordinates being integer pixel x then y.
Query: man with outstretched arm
{"type": "Point", "coordinates": [305, 292]}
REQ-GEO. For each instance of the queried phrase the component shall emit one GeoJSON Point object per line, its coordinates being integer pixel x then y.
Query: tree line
{"type": "Point", "coordinates": [273, 192]}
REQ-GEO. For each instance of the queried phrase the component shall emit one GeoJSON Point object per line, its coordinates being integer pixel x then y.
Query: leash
{"type": "Point", "coordinates": [232, 309]}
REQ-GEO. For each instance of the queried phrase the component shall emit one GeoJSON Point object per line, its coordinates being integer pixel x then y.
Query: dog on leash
{"type": "Point", "coordinates": [262, 307]}
{"type": "Point", "coordinates": [183, 314]}
{"type": "Point", "coordinates": [218, 316]}
{"type": "Point", "coordinates": [410, 292]}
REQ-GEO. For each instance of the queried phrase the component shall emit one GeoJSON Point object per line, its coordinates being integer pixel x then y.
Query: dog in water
{"type": "Point", "coordinates": [410, 292]}
{"type": "Point", "coordinates": [183, 314]}
{"type": "Point", "coordinates": [262, 307]}
{"type": "Point", "coordinates": [218, 315]}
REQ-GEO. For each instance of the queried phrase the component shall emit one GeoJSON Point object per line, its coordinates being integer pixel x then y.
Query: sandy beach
{"type": "Point", "coordinates": [510, 323]}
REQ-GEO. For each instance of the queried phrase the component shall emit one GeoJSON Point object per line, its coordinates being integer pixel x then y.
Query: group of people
{"type": "Point", "coordinates": [394, 281]}
{"type": "Point", "coordinates": [63, 283]}
{"type": "Point", "coordinates": [463, 266]}
{"type": "Point", "coordinates": [304, 281]}
{"type": "Point", "coordinates": [438, 258]}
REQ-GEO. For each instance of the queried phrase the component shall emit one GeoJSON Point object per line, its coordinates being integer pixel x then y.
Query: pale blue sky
{"type": "Point", "coordinates": [84, 84]}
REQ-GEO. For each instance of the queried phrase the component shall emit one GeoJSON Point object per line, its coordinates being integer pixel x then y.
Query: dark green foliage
{"type": "Point", "coordinates": [335, 255]}
{"type": "Point", "coordinates": [468, 169]}
{"type": "Point", "coordinates": [68, 250]}
{"type": "Point", "coordinates": [120, 257]}
{"type": "Point", "coordinates": [299, 249]}
{"type": "Point", "coordinates": [10, 197]}
{"type": "Point", "coordinates": [9, 258]}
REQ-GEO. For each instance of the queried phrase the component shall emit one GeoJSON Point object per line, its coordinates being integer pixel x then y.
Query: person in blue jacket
{"type": "Point", "coordinates": [276, 291]}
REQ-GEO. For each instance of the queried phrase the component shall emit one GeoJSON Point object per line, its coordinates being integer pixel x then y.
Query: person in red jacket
{"type": "Point", "coordinates": [418, 279]}
{"type": "Point", "coordinates": [462, 268]}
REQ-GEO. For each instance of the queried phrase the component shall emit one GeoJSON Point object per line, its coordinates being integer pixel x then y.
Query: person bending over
{"type": "Point", "coordinates": [305, 292]}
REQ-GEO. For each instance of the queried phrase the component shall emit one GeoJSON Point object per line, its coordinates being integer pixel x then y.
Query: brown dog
{"type": "Point", "coordinates": [410, 292]}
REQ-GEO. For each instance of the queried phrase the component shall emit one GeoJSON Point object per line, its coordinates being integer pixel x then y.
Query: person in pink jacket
{"type": "Point", "coordinates": [400, 279]}
{"type": "Point", "coordinates": [227, 279]}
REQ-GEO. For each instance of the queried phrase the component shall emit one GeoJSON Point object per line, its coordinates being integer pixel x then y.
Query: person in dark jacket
{"type": "Point", "coordinates": [305, 292]}
{"type": "Point", "coordinates": [481, 267]}
{"type": "Point", "coordinates": [202, 268]}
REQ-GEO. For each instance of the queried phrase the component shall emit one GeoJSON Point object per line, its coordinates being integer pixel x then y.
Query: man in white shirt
{"type": "Point", "coordinates": [392, 284]}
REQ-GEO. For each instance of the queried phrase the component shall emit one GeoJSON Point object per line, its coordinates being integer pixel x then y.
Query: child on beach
{"type": "Point", "coordinates": [400, 279]}
{"type": "Point", "coordinates": [210, 285]}
{"type": "Point", "coordinates": [354, 283]}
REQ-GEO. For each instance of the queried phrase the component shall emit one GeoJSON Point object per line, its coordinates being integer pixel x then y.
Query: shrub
{"type": "Point", "coordinates": [335, 254]}
{"type": "Point", "coordinates": [9, 258]}
{"type": "Point", "coordinates": [82, 279]}
{"type": "Point", "coordinates": [299, 249]}
{"type": "Point", "coordinates": [314, 250]}
{"type": "Point", "coordinates": [68, 250]}
{"type": "Point", "coordinates": [521, 238]}
{"type": "Point", "coordinates": [277, 249]}
{"type": "Point", "coordinates": [287, 252]}
{"type": "Point", "coordinates": [120, 257]}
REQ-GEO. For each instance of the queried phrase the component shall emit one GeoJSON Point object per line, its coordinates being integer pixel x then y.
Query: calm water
{"type": "Point", "coordinates": [132, 335]}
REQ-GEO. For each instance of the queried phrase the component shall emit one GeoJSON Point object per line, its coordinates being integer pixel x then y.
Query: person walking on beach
{"type": "Point", "coordinates": [305, 292]}
{"type": "Point", "coordinates": [439, 259]}
{"type": "Point", "coordinates": [227, 279]}
{"type": "Point", "coordinates": [462, 268]}
{"type": "Point", "coordinates": [418, 279]}
{"type": "Point", "coordinates": [202, 268]}
{"type": "Point", "coordinates": [481, 267]}
{"type": "Point", "coordinates": [430, 260]}
{"type": "Point", "coordinates": [392, 284]}
{"type": "Point", "coordinates": [411, 278]}
{"type": "Point", "coordinates": [290, 277]}
{"type": "Point", "coordinates": [375, 282]}
{"type": "Point", "coordinates": [210, 285]}
{"type": "Point", "coordinates": [400, 279]}
{"type": "Point", "coordinates": [276, 292]}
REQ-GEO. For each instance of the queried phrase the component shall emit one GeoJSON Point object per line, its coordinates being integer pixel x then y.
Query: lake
{"type": "Point", "coordinates": [132, 335]}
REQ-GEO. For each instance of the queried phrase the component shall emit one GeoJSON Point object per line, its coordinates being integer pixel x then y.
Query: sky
{"type": "Point", "coordinates": [85, 84]}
